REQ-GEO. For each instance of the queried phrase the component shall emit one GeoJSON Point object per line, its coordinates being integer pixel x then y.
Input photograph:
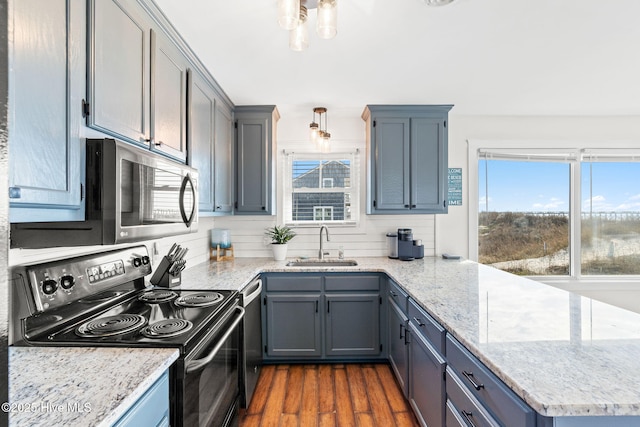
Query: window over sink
{"type": "Point", "coordinates": [321, 188]}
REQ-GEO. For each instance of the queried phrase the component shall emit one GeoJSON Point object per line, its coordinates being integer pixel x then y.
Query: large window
{"type": "Point", "coordinates": [321, 188]}
{"type": "Point", "coordinates": [554, 212]}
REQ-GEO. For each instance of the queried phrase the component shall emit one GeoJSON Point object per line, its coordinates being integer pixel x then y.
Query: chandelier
{"type": "Point", "coordinates": [317, 133]}
{"type": "Point", "coordinates": [293, 16]}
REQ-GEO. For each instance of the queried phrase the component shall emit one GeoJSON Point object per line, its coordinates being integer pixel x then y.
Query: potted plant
{"type": "Point", "coordinates": [279, 238]}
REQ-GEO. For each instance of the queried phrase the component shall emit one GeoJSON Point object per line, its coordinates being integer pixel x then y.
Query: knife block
{"type": "Point", "coordinates": [163, 278]}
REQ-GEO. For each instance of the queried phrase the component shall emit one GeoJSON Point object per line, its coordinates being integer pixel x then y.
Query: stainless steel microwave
{"type": "Point", "coordinates": [131, 195]}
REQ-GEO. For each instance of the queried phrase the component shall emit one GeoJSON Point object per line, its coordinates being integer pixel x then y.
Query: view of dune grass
{"type": "Point", "coordinates": [531, 244]}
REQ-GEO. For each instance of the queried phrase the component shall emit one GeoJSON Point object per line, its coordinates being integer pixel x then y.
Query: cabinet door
{"type": "Point", "coordinates": [398, 345]}
{"type": "Point", "coordinates": [151, 409]}
{"type": "Point", "coordinates": [293, 325]}
{"type": "Point", "coordinates": [252, 166]}
{"type": "Point", "coordinates": [118, 70]}
{"type": "Point", "coordinates": [45, 163]}
{"type": "Point", "coordinates": [201, 137]}
{"type": "Point", "coordinates": [223, 157]}
{"type": "Point", "coordinates": [391, 158]}
{"type": "Point", "coordinates": [168, 97]}
{"type": "Point", "coordinates": [352, 324]}
{"type": "Point", "coordinates": [426, 383]}
{"type": "Point", "coordinates": [429, 162]}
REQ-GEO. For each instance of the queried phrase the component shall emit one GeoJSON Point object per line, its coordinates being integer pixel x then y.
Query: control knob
{"type": "Point", "coordinates": [137, 262]}
{"type": "Point", "coordinates": [49, 286]}
{"type": "Point", "coordinates": [67, 281]}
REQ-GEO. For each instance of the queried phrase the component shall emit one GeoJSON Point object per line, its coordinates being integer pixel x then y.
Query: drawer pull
{"type": "Point", "coordinates": [401, 330]}
{"type": "Point", "coordinates": [418, 321]}
{"type": "Point", "coordinates": [393, 294]}
{"type": "Point", "coordinates": [469, 376]}
{"type": "Point", "coordinates": [468, 417]}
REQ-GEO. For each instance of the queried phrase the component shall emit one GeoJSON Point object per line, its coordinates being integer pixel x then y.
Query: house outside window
{"type": "Point", "coordinates": [321, 188]}
{"type": "Point", "coordinates": [554, 212]}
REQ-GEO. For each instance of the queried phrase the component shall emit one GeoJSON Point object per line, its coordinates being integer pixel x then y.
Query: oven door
{"type": "Point", "coordinates": [209, 387]}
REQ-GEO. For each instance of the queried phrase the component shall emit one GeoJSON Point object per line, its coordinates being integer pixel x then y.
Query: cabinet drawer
{"type": "Point", "coordinates": [508, 408]}
{"type": "Point", "coordinates": [462, 408]}
{"type": "Point", "coordinates": [427, 325]}
{"type": "Point", "coordinates": [399, 296]}
{"type": "Point", "coordinates": [352, 283]}
{"type": "Point", "coordinates": [293, 283]}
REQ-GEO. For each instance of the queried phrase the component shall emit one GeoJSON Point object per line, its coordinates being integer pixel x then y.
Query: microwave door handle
{"type": "Point", "coordinates": [194, 365]}
{"type": "Point", "coordinates": [187, 180]}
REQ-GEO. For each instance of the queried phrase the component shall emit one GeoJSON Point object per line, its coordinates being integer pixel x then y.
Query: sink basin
{"type": "Point", "coordinates": [322, 263]}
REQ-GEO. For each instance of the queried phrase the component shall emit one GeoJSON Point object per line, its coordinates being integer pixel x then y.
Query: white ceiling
{"type": "Point", "coordinates": [504, 57]}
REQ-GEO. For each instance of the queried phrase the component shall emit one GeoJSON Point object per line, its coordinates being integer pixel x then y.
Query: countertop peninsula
{"type": "Point", "coordinates": [563, 354]}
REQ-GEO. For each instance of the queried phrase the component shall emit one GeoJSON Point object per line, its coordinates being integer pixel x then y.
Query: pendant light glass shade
{"type": "Point", "coordinates": [288, 13]}
{"type": "Point", "coordinates": [313, 132]}
{"type": "Point", "coordinates": [299, 36]}
{"type": "Point", "coordinates": [436, 2]}
{"type": "Point", "coordinates": [327, 23]}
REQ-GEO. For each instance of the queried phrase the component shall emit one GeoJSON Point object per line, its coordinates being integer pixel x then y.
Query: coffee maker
{"type": "Point", "coordinates": [409, 249]}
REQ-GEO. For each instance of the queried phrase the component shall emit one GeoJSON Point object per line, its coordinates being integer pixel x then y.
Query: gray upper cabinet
{"type": "Point", "coordinates": [118, 72]}
{"type": "Point", "coordinates": [255, 171]}
{"type": "Point", "coordinates": [137, 78]}
{"type": "Point", "coordinates": [223, 170]}
{"type": "Point", "coordinates": [168, 97]}
{"type": "Point", "coordinates": [202, 106]}
{"type": "Point", "coordinates": [45, 114]}
{"type": "Point", "coordinates": [406, 158]}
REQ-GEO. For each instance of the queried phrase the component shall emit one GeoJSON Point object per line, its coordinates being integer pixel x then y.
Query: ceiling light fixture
{"type": "Point", "coordinates": [436, 2]}
{"type": "Point", "coordinates": [317, 133]}
{"type": "Point", "coordinates": [293, 16]}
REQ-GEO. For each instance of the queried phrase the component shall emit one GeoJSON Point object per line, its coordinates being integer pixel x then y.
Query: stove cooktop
{"type": "Point", "coordinates": [152, 317]}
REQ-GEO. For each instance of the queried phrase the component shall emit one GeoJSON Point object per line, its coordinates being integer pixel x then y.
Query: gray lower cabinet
{"type": "Point", "coordinates": [407, 158]}
{"type": "Point", "coordinates": [152, 409]}
{"type": "Point", "coordinates": [352, 324]}
{"type": "Point", "coordinates": [45, 114]}
{"type": "Point", "coordinates": [426, 368]}
{"type": "Point", "coordinates": [322, 317]}
{"type": "Point", "coordinates": [293, 325]}
{"type": "Point", "coordinates": [255, 171]}
{"type": "Point", "coordinates": [398, 345]}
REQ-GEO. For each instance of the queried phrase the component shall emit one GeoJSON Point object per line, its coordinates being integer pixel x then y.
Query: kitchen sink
{"type": "Point", "coordinates": [322, 263]}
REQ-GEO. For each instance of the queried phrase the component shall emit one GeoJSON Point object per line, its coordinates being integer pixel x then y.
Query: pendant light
{"type": "Point", "coordinates": [299, 36]}
{"type": "Point", "coordinates": [436, 2]}
{"type": "Point", "coordinates": [327, 23]}
{"type": "Point", "coordinates": [288, 13]}
{"type": "Point", "coordinates": [317, 132]}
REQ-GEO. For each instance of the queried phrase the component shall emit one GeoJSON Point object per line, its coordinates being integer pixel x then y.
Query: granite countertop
{"type": "Point", "coordinates": [563, 354]}
{"type": "Point", "coordinates": [80, 386]}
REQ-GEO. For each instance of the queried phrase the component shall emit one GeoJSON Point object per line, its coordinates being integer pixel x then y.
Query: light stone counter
{"type": "Point", "coordinates": [74, 386]}
{"type": "Point", "coordinates": [563, 354]}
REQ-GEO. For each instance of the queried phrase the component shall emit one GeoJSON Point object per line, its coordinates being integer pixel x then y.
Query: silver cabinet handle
{"type": "Point", "coordinates": [418, 321]}
{"type": "Point", "coordinates": [467, 416]}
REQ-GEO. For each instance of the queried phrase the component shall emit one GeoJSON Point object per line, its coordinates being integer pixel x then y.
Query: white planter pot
{"type": "Point", "coordinates": [279, 251]}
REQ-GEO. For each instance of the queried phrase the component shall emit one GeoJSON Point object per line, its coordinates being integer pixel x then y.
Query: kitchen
{"type": "Point", "coordinates": [612, 118]}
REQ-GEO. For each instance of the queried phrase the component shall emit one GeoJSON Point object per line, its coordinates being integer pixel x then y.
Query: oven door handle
{"type": "Point", "coordinates": [194, 365]}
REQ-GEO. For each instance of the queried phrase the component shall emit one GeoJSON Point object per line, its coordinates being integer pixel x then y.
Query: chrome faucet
{"type": "Point", "coordinates": [322, 253]}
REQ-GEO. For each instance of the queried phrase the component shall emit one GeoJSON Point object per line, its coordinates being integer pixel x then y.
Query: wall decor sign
{"type": "Point", "coordinates": [455, 187]}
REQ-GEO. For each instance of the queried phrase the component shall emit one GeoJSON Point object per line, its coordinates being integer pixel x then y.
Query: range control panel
{"type": "Point", "coordinates": [60, 282]}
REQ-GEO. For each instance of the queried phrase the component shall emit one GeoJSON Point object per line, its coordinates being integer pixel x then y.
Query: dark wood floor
{"type": "Point", "coordinates": [341, 395]}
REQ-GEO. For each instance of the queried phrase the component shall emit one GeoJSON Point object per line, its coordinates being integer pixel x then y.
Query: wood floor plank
{"type": "Point", "coordinates": [326, 419]}
{"type": "Point", "coordinates": [365, 419]}
{"type": "Point", "coordinates": [390, 386]}
{"type": "Point", "coordinates": [405, 419]}
{"type": "Point", "coordinates": [289, 420]}
{"type": "Point", "coordinates": [252, 420]}
{"type": "Point", "coordinates": [273, 408]}
{"type": "Point", "coordinates": [326, 388]}
{"type": "Point", "coordinates": [259, 399]}
{"type": "Point", "coordinates": [309, 410]}
{"type": "Point", "coordinates": [344, 408]}
{"type": "Point", "coordinates": [377, 398]}
{"type": "Point", "coordinates": [357, 388]}
{"type": "Point", "coordinates": [293, 396]}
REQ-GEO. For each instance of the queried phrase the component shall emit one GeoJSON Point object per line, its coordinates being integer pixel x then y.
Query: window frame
{"type": "Point", "coordinates": [575, 280]}
{"type": "Point", "coordinates": [353, 190]}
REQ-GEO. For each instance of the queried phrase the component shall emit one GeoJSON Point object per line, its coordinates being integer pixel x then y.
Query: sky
{"type": "Point", "coordinates": [544, 187]}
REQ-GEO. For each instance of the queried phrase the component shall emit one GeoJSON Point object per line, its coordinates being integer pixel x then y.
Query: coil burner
{"type": "Point", "coordinates": [201, 299]}
{"type": "Point", "coordinates": [167, 328]}
{"type": "Point", "coordinates": [157, 296]}
{"type": "Point", "coordinates": [111, 325]}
